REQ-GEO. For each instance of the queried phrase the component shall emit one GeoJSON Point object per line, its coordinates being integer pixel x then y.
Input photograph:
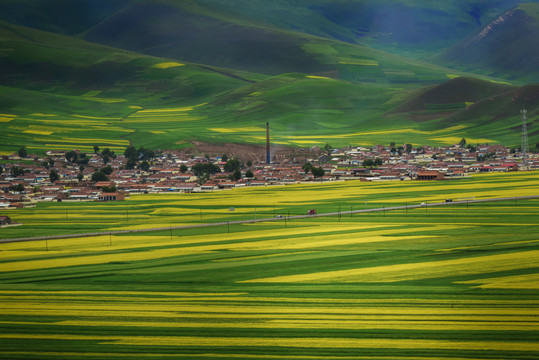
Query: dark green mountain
{"type": "Point", "coordinates": [268, 36]}
{"type": "Point", "coordinates": [506, 47]}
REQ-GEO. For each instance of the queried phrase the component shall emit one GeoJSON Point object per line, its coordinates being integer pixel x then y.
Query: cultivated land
{"type": "Point", "coordinates": [452, 282]}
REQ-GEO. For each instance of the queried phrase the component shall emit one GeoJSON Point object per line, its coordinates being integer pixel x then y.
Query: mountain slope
{"type": "Point", "coordinates": [270, 37]}
{"type": "Point", "coordinates": [63, 93]}
{"type": "Point", "coordinates": [487, 110]}
{"type": "Point", "coordinates": [509, 45]}
{"type": "Point", "coordinates": [455, 93]}
{"type": "Point", "coordinates": [59, 91]}
{"type": "Point", "coordinates": [188, 32]}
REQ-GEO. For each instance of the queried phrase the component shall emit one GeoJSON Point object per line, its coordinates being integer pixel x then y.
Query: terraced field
{"type": "Point", "coordinates": [454, 282]}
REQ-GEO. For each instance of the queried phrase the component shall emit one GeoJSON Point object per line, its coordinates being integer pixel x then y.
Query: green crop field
{"type": "Point", "coordinates": [452, 282]}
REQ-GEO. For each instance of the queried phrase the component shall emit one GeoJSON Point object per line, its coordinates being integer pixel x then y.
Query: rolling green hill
{"type": "Point", "coordinates": [60, 92]}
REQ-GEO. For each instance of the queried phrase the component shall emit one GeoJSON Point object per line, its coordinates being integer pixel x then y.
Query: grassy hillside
{"type": "Point", "coordinates": [59, 92]}
{"type": "Point", "coordinates": [412, 27]}
{"type": "Point", "coordinates": [189, 32]}
{"type": "Point", "coordinates": [476, 107]}
{"type": "Point", "coordinates": [509, 45]}
{"type": "Point", "coordinates": [62, 93]}
{"type": "Point", "coordinates": [454, 282]}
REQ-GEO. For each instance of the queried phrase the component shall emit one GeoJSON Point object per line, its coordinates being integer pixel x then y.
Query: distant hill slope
{"type": "Point", "coordinates": [415, 25]}
{"type": "Point", "coordinates": [274, 37]}
{"type": "Point", "coordinates": [454, 93]}
{"type": "Point", "coordinates": [37, 60]}
{"type": "Point", "coordinates": [488, 110]}
{"type": "Point", "coordinates": [507, 46]}
{"type": "Point", "coordinates": [61, 93]}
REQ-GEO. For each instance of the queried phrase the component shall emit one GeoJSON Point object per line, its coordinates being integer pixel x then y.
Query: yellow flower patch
{"type": "Point", "coordinates": [416, 271]}
{"type": "Point", "coordinates": [167, 65]}
{"type": "Point", "coordinates": [38, 132]}
{"type": "Point", "coordinates": [528, 282]}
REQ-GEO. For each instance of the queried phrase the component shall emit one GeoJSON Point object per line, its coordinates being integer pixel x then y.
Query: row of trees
{"type": "Point", "coordinates": [316, 171]}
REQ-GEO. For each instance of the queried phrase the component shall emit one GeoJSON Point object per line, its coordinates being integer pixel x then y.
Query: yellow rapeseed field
{"type": "Point", "coordinates": [422, 270]}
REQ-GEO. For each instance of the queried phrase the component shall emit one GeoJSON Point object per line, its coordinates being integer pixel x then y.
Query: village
{"type": "Point", "coordinates": [104, 176]}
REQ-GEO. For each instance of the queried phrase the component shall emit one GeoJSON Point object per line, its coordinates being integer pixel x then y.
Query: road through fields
{"type": "Point", "coordinates": [281, 218]}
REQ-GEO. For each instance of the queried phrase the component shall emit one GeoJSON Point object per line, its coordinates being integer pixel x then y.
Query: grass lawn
{"type": "Point", "coordinates": [455, 282]}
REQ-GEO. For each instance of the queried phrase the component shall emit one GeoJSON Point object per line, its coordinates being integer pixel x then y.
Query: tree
{"type": "Point", "coordinates": [131, 163]}
{"type": "Point", "coordinates": [249, 174]}
{"type": "Point", "coordinates": [145, 154]}
{"type": "Point", "coordinates": [318, 172]}
{"type": "Point", "coordinates": [236, 175]}
{"type": "Point", "coordinates": [409, 148]}
{"type": "Point", "coordinates": [107, 170]}
{"type": "Point", "coordinates": [17, 171]}
{"type": "Point", "coordinates": [80, 176]}
{"type": "Point", "coordinates": [393, 150]}
{"type": "Point", "coordinates": [22, 152]}
{"type": "Point", "coordinates": [249, 163]}
{"type": "Point", "coordinates": [144, 166]}
{"type": "Point", "coordinates": [99, 176]}
{"type": "Point", "coordinates": [206, 168]}
{"type": "Point", "coordinates": [392, 144]}
{"type": "Point", "coordinates": [17, 188]}
{"type": "Point", "coordinates": [232, 165]}
{"type": "Point", "coordinates": [106, 159]}
{"type": "Point", "coordinates": [96, 149]}
{"type": "Point", "coordinates": [71, 156]}
{"type": "Point", "coordinates": [328, 148]}
{"type": "Point", "coordinates": [224, 158]}
{"type": "Point", "coordinates": [109, 189]}
{"type": "Point", "coordinates": [378, 162]}
{"type": "Point", "coordinates": [53, 176]}
{"type": "Point", "coordinates": [51, 162]}
{"type": "Point", "coordinates": [131, 153]}
{"type": "Point", "coordinates": [368, 163]}
{"type": "Point", "coordinates": [108, 152]}
{"type": "Point", "coordinates": [307, 167]}
{"type": "Point", "coordinates": [537, 146]}
{"type": "Point", "coordinates": [183, 168]}
{"type": "Point", "coordinates": [462, 142]}
{"type": "Point", "coordinates": [399, 150]}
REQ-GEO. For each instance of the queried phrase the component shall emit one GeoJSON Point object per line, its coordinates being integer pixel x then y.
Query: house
{"type": "Point", "coordinates": [430, 175]}
{"type": "Point", "coordinates": [4, 220]}
{"type": "Point", "coordinates": [115, 196]}
{"type": "Point", "coordinates": [101, 184]}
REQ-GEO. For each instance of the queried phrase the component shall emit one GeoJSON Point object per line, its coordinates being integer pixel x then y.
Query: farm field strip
{"type": "Point", "coordinates": [438, 283]}
{"type": "Point", "coordinates": [145, 211]}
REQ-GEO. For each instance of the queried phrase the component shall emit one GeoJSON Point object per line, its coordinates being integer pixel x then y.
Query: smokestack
{"type": "Point", "coordinates": [268, 156]}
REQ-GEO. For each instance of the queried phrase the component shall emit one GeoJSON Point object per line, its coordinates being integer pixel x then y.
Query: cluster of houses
{"type": "Point", "coordinates": [172, 171]}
